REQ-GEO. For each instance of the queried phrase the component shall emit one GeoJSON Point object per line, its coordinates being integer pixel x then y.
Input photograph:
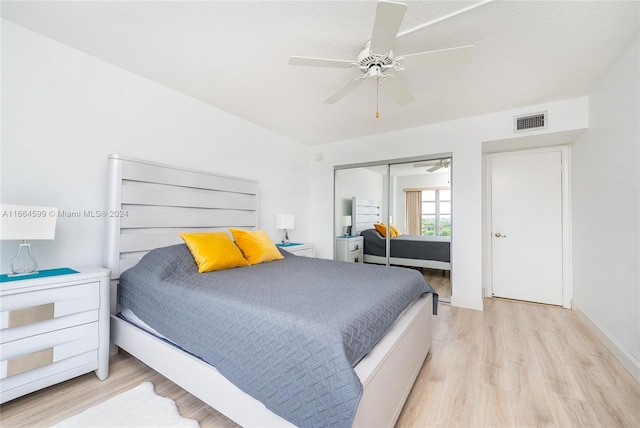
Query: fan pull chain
{"type": "Point", "coordinates": [377, 90]}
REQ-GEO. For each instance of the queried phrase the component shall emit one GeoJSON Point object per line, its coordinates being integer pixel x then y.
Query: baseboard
{"type": "Point", "coordinates": [464, 302]}
{"type": "Point", "coordinates": [627, 360]}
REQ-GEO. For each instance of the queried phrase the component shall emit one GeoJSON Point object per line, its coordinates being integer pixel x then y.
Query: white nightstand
{"type": "Point", "coordinates": [305, 250]}
{"type": "Point", "coordinates": [53, 328]}
{"type": "Point", "coordinates": [350, 249]}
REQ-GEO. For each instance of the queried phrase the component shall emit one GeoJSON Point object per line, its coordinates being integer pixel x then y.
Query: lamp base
{"type": "Point", "coordinates": [14, 275]}
{"type": "Point", "coordinates": [285, 237]}
{"type": "Point", "coordinates": [24, 263]}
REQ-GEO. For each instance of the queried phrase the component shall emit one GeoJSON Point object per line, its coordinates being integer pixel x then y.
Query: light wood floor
{"type": "Point", "coordinates": [440, 280]}
{"type": "Point", "coordinates": [513, 365]}
{"type": "Point", "coordinates": [519, 365]}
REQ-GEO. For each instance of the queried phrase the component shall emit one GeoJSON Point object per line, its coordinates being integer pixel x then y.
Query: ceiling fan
{"type": "Point", "coordinates": [434, 166]}
{"type": "Point", "coordinates": [377, 60]}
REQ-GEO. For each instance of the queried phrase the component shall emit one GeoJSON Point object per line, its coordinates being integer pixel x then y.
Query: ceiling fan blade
{"type": "Point", "coordinates": [397, 90]}
{"type": "Point", "coordinates": [321, 62]}
{"type": "Point", "coordinates": [389, 16]}
{"type": "Point", "coordinates": [436, 58]}
{"type": "Point", "coordinates": [422, 165]}
{"type": "Point", "coordinates": [344, 90]}
{"type": "Point", "coordinates": [434, 168]}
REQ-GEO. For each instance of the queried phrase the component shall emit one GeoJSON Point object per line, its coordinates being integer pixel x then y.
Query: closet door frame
{"type": "Point", "coordinates": [388, 163]}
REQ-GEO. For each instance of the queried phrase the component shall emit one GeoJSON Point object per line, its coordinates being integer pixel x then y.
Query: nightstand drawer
{"type": "Point", "coordinates": [30, 330]}
{"type": "Point", "coordinates": [354, 245]}
{"type": "Point", "coordinates": [20, 357]}
{"type": "Point", "coordinates": [29, 308]}
{"type": "Point", "coordinates": [304, 250]}
{"type": "Point", "coordinates": [30, 381]}
{"type": "Point", "coordinates": [355, 257]}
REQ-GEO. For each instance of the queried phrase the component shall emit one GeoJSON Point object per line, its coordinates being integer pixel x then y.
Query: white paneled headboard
{"type": "Point", "coordinates": [150, 203]}
{"type": "Point", "coordinates": [364, 213]}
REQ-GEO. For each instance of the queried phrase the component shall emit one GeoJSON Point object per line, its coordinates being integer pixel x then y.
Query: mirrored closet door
{"type": "Point", "coordinates": [397, 213]}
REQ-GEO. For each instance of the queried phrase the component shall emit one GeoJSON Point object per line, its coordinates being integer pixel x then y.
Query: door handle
{"type": "Point", "coordinates": [500, 235]}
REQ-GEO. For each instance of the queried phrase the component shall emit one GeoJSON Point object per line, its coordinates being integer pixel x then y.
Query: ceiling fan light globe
{"type": "Point", "coordinates": [374, 72]}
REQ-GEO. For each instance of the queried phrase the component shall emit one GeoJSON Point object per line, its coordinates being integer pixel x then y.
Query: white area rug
{"type": "Point", "coordinates": [138, 407]}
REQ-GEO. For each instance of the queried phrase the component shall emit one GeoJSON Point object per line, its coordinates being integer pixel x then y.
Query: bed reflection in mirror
{"type": "Point", "coordinates": [402, 210]}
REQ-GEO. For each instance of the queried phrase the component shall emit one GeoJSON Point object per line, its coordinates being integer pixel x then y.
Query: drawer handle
{"type": "Point", "coordinates": [31, 315]}
{"type": "Point", "coordinates": [24, 363]}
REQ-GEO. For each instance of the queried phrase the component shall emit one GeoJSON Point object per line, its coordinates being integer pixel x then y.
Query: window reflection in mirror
{"type": "Point", "coordinates": [423, 197]}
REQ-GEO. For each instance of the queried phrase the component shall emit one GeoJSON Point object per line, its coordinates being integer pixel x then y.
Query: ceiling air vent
{"type": "Point", "coordinates": [530, 122]}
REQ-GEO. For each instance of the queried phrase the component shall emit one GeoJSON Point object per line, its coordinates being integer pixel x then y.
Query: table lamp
{"type": "Point", "coordinates": [285, 222]}
{"type": "Point", "coordinates": [345, 222]}
{"type": "Point", "coordinates": [26, 222]}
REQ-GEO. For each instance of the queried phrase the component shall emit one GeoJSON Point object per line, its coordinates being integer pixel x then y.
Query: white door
{"type": "Point", "coordinates": [526, 223]}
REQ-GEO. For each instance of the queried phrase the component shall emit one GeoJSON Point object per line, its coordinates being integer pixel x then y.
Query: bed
{"type": "Point", "coordinates": [153, 203]}
{"type": "Point", "coordinates": [433, 252]}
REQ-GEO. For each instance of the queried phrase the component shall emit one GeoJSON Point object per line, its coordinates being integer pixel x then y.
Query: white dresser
{"type": "Point", "coordinates": [305, 250]}
{"type": "Point", "coordinates": [53, 329]}
{"type": "Point", "coordinates": [350, 249]}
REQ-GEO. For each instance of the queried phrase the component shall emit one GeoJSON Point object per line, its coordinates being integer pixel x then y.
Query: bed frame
{"type": "Point", "coordinates": [364, 213]}
{"type": "Point", "coordinates": [153, 203]}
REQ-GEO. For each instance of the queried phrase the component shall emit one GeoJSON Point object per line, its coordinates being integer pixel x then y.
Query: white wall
{"type": "Point", "coordinates": [606, 207]}
{"type": "Point", "coordinates": [64, 111]}
{"type": "Point", "coordinates": [464, 139]}
{"type": "Point", "coordinates": [360, 182]}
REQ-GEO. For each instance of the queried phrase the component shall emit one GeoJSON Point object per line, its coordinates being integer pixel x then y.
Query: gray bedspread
{"type": "Point", "coordinates": [415, 247]}
{"type": "Point", "coordinates": [287, 332]}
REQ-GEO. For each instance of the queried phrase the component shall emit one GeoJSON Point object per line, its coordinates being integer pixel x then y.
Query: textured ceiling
{"type": "Point", "coordinates": [234, 55]}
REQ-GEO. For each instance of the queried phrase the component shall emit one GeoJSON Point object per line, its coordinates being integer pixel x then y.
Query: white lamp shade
{"type": "Point", "coordinates": [285, 221]}
{"type": "Point", "coordinates": [27, 222]}
{"type": "Point", "coordinates": [345, 220]}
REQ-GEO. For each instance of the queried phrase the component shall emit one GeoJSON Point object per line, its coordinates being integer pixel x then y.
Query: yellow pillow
{"type": "Point", "coordinates": [395, 231]}
{"type": "Point", "coordinates": [382, 228]}
{"type": "Point", "coordinates": [213, 251]}
{"type": "Point", "coordinates": [256, 246]}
